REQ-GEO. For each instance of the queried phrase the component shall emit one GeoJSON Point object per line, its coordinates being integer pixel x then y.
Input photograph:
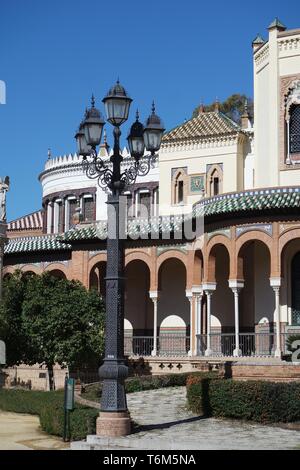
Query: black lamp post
{"type": "Point", "coordinates": [114, 418]}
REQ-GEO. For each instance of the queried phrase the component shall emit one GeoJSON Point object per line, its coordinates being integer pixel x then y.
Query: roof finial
{"type": "Point", "coordinates": [217, 105]}
{"type": "Point", "coordinates": [245, 119]}
{"type": "Point", "coordinates": [104, 137]}
{"type": "Point", "coordinates": [137, 115]}
{"type": "Point", "coordinates": [49, 153]}
{"type": "Point", "coordinates": [93, 101]}
{"type": "Point", "coordinates": [201, 107]}
{"type": "Point", "coordinates": [118, 81]}
{"type": "Point", "coordinates": [153, 107]}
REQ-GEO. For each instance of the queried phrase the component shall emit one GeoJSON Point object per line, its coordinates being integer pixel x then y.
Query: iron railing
{"type": "Point", "coordinates": [221, 344]}
{"type": "Point", "coordinates": [250, 344]}
{"type": "Point", "coordinates": [167, 345]}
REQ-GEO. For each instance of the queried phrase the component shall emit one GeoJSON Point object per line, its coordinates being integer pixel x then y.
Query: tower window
{"type": "Point", "coordinates": [216, 186]}
{"type": "Point", "coordinates": [295, 129]}
{"type": "Point", "coordinates": [180, 192]}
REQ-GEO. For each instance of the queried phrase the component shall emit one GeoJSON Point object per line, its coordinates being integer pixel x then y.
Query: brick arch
{"type": "Point", "coordinates": [30, 267]}
{"type": "Point", "coordinates": [150, 262]}
{"type": "Point", "coordinates": [138, 256]}
{"type": "Point", "coordinates": [9, 270]}
{"type": "Point", "coordinates": [286, 237]}
{"type": "Point", "coordinates": [98, 258]}
{"type": "Point", "coordinates": [242, 241]}
{"type": "Point", "coordinates": [57, 267]}
{"type": "Point", "coordinates": [171, 254]}
{"type": "Point", "coordinates": [198, 266]}
{"type": "Point", "coordinates": [210, 257]}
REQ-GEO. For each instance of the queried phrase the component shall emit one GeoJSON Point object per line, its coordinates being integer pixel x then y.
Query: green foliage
{"type": "Point", "coordinates": [142, 383]}
{"type": "Point", "coordinates": [264, 402]}
{"type": "Point", "coordinates": [233, 107]}
{"type": "Point", "coordinates": [48, 320]}
{"type": "Point", "coordinates": [49, 407]}
{"type": "Point", "coordinates": [11, 325]}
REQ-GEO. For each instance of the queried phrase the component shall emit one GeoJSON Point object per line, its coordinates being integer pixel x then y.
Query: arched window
{"type": "Point", "coordinates": [292, 118]}
{"type": "Point", "coordinates": [214, 180]}
{"type": "Point", "coordinates": [295, 128]}
{"type": "Point", "coordinates": [180, 192]}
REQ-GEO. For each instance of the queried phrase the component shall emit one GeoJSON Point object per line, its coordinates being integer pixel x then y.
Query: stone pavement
{"type": "Point", "coordinates": [22, 432]}
{"type": "Point", "coordinates": [164, 423]}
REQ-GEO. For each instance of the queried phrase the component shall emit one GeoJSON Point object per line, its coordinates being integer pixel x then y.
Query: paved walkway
{"type": "Point", "coordinates": [22, 432]}
{"type": "Point", "coordinates": [164, 423]}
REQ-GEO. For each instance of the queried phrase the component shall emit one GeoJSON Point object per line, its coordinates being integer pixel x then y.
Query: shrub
{"type": "Point", "coordinates": [197, 393]}
{"type": "Point", "coordinates": [264, 402]}
{"type": "Point", "coordinates": [148, 382]}
{"type": "Point", "coordinates": [49, 407]}
{"type": "Point", "coordinates": [82, 421]}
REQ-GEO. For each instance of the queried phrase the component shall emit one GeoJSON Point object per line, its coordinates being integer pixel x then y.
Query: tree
{"type": "Point", "coordinates": [233, 107]}
{"type": "Point", "coordinates": [58, 321]}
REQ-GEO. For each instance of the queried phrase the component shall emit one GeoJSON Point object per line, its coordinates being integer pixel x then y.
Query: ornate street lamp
{"type": "Point", "coordinates": [114, 419]}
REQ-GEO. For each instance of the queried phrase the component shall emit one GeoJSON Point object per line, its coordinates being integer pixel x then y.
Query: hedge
{"type": "Point", "coordinates": [49, 407]}
{"type": "Point", "coordinates": [148, 382]}
{"type": "Point", "coordinates": [260, 401]}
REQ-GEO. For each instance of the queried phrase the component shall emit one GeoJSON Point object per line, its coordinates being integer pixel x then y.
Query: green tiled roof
{"type": "Point", "coordinates": [135, 229]}
{"type": "Point", "coordinates": [31, 244]}
{"type": "Point", "coordinates": [258, 40]}
{"type": "Point", "coordinates": [252, 200]}
{"type": "Point", "coordinates": [275, 199]}
{"type": "Point", "coordinates": [277, 24]}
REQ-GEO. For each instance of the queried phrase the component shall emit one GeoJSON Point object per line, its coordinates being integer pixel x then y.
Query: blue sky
{"type": "Point", "coordinates": [55, 54]}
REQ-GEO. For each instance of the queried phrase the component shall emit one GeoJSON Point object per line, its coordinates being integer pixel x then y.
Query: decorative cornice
{"type": "Point", "coordinates": [223, 231]}
{"type": "Point", "coordinates": [267, 228]}
{"type": "Point", "coordinates": [288, 226]}
{"type": "Point", "coordinates": [216, 141]}
{"type": "Point", "coordinates": [162, 249]}
{"type": "Point", "coordinates": [71, 167]}
{"type": "Point", "coordinates": [290, 44]}
{"type": "Point", "coordinates": [262, 55]}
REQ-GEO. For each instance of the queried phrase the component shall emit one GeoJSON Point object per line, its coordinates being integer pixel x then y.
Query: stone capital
{"type": "Point", "coordinates": [197, 290]}
{"type": "Point", "coordinates": [209, 287]}
{"type": "Point", "coordinates": [154, 294]}
{"type": "Point", "coordinates": [275, 282]}
{"type": "Point", "coordinates": [236, 284]}
{"type": "Point", "coordinates": [189, 294]}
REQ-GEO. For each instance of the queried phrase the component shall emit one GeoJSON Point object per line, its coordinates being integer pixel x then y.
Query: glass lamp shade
{"type": "Point", "coordinates": [82, 146]}
{"type": "Point", "coordinates": [153, 132]}
{"type": "Point", "coordinates": [136, 140]}
{"type": "Point", "coordinates": [152, 139]}
{"type": "Point", "coordinates": [93, 132]}
{"type": "Point", "coordinates": [117, 104]}
{"type": "Point", "coordinates": [93, 125]}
